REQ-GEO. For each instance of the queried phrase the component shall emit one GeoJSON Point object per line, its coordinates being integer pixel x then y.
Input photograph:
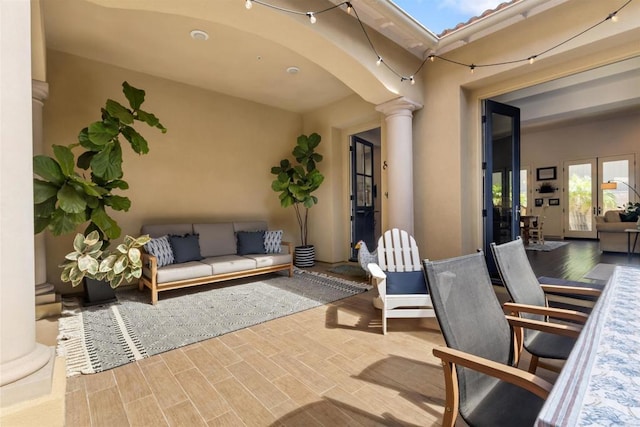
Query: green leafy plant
{"type": "Point", "coordinates": [296, 182]}
{"type": "Point", "coordinates": [88, 260]}
{"type": "Point", "coordinates": [65, 198]}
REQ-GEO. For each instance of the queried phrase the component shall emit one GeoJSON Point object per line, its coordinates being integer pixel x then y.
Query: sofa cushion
{"type": "Point", "coordinates": [229, 264]}
{"type": "Point", "coordinates": [250, 242]}
{"type": "Point", "coordinates": [612, 216]}
{"type": "Point", "coordinates": [184, 271]}
{"type": "Point", "coordinates": [216, 239]}
{"type": "Point", "coordinates": [161, 249]}
{"type": "Point", "coordinates": [249, 226]}
{"type": "Point", "coordinates": [629, 216]}
{"type": "Point", "coordinates": [185, 248]}
{"type": "Point", "coordinates": [272, 241]}
{"type": "Point", "coordinates": [268, 260]}
{"type": "Point", "coordinates": [158, 230]}
{"type": "Point", "coordinates": [406, 282]}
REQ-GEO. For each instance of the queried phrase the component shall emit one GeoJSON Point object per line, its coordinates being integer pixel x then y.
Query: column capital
{"type": "Point", "coordinates": [399, 106]}
{"type": "Point", "coordinates": [39, 90]}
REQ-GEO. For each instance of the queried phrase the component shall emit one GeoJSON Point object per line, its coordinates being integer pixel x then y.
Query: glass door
{"type": "Point", "coordinates": [581, 198]}
{"type": "Point", "coordinates": [363, 195]}
{"type": "Point", "coordinates": [584, 196]}
{"type": "Point", "coordinates": [501, 138]}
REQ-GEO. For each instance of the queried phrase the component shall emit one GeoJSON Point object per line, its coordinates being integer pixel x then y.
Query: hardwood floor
{"type": "Point", "coordinates": [328, 366]}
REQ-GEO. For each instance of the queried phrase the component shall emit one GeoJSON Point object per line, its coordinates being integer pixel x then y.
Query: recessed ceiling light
{"type": "Point", "coordinates": [293, 70]}
{"type": "Point", "coordinates": [199, 35]}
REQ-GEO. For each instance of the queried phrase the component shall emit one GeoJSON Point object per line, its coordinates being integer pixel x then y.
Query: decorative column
{"type": "Point", "coordinates": [399, 139]}
{"type": "Point", "coordinates": [39, 92]}
{"type": "Point", "coordinates": [21, 358]}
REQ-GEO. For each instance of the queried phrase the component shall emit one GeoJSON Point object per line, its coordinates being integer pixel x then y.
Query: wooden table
{"type": "Point", "coordinates": [600, 382]}
{"type": "Point", "coordinates": [629, 232]}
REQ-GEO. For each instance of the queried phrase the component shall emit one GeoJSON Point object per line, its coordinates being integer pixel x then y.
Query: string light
{"type": "Point", "coordinates": [312, 17]}
{"type": "Point", "coordinates": [613, 17]}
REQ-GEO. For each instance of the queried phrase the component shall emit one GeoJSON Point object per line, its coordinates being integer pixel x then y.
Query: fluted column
{"type": "Point", "coordinates": [39, 92]}
{"type": "Point", "coordinates": [399, 140]}
{"type": "Point", "coordinates": [20, 355]}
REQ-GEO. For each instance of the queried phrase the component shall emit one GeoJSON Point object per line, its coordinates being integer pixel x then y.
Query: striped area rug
{"type": "Point", "coordinates": [97, 338]}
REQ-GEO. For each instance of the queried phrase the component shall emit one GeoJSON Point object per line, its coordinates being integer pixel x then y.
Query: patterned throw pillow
{"type": "Point", "coordinates": [272, 241]}
{"type": "Point", "coordinates": [161, 249]}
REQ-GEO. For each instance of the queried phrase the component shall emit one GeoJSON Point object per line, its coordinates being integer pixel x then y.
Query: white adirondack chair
{"type": "Point", "coordinates": [398, 253]}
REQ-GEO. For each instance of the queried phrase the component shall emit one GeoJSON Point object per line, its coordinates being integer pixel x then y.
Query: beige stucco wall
{"type": "Point", "coordinates": [447, 131]}
{"type": "Point", "coordinates": [212, 165]}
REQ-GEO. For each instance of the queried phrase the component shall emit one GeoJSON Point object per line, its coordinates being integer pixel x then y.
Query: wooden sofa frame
{"type": "Point", "coordinates": [152, 262]}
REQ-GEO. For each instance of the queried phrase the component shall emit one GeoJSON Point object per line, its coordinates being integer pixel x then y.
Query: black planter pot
{"type": "Point", "coordinates": [98, 292]}
{"type": "Point", "coordinates": [304, 256]}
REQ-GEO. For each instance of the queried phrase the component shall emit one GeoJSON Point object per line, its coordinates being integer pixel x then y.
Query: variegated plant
{"type": "Point", "coordinates": [121, 265]}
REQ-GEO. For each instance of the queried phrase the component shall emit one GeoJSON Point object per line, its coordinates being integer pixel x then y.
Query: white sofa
{"type": "Point", "coordinates": [221, 258]}
{"type": "Point", "coordinates": [611, 232]}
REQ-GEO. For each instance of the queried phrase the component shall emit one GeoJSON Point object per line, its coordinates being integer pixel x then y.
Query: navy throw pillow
{"type": "Point", "coordinates": [628, 216]}
{"type": "Point", "coordinates": [406, 282]}
{"type": "Point", "coordinates": [185, 248]}
{"type": "Point", "coordinates": [251, 242]}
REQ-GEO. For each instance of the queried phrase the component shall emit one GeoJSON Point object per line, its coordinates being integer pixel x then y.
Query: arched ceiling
{"type": "Point", "coordinates": [247, 54]}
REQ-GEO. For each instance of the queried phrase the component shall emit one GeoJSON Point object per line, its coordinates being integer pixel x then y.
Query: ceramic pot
{"type": "Point", "coordinates": [304, 256]}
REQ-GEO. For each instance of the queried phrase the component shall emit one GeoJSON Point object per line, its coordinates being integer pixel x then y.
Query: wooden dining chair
{"type": "Point", "coordinates": [482, 382]}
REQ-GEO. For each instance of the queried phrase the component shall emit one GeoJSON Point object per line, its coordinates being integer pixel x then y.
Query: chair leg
{"type": "Point", "coordinates": [384, 322]}
{"type": "Point", "coordinates": [533, 365]}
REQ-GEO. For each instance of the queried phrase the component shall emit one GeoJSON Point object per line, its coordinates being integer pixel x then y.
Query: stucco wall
{"type": "Point", "coordinates": [447, 131]}
{"type": "Point", "coordinates": [213, 164]}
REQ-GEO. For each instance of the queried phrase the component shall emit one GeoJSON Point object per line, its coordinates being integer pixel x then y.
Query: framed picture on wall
{"type": "Point", "coordinates": [554, 202]}
{"type": "Point", "coordinates": [543, 174]}
{"type": "Point", "coordinates": [539, 202]}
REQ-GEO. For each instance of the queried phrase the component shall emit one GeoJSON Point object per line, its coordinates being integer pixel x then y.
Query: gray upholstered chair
{"type": "Point", "coordinates": [529, 301]}
{"type": "Point", "coordinates": [482, 382]}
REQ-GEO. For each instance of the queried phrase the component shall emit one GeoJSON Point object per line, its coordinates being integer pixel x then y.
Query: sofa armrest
{"type": "Point", "coordinates": [287, 245]}
{"type": "Point", "coordinates": [151, 262]}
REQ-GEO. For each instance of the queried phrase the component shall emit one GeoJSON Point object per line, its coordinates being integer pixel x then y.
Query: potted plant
{"type": "Point", "coordinates": [296, 183]}
{"type": "Point", "coordinates": [88, 262]}
{"type": "Point", "coordinates": [65, 198]}
{"type": "Point", "coordinates": [546, 187]}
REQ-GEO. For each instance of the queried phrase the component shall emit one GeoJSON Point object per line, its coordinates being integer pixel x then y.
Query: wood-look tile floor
{"type": "Point", "coordinates": [328, 366]}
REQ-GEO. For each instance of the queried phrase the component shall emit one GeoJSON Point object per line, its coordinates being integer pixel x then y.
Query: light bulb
{"type": "Point", "coordinates": [432, 58]}
{"type": "Point", "coordinates": [614, 17]}
{"type": "Point", "coordinates": [349, 8]}
{"type": "Point", "coordinates": [532, 59]}
{"type": "Point", "coordinates": [248, 4]}
{"type": "Point", "coordinates": [312, 17]}
{"type": "Point", "coordinates": [472, 68]}
{"type": "Point", "coordinates": [379, 61]}
{"type": "Point", "coordinates": [413, 81]}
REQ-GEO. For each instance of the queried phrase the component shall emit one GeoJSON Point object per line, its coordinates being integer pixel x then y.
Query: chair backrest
{"type": "Point", "coordinates": [518, 276]}
{"type": "Point", "coordinates": [398, 252]}
{"type": "Point", "coordinates": [471, 319]}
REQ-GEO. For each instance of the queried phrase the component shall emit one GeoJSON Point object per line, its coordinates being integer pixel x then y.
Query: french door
{"type": "Point", "coordinates": [584, 196]}
{"type": "Point", "coordinates": [363, 194]}
{"type": "Point", "coordinates": [501, 161]}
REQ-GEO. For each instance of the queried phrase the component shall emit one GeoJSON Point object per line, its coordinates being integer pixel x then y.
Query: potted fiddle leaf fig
{"type": "Point", "coordinates": [65, 197]}
{"type": "Point", "coordinates": [296, 183]}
